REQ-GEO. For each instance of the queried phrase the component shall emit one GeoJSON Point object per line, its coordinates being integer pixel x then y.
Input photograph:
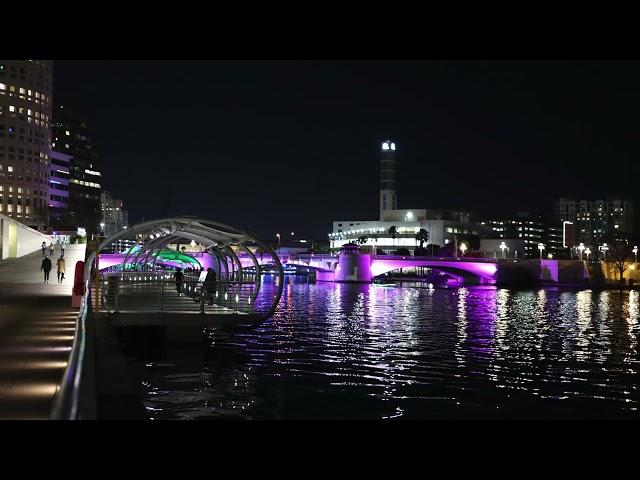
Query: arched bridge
{"type": "Point", "coordinates": [340, 267]}
{"type": "Point", "coordinates": [475, 269]}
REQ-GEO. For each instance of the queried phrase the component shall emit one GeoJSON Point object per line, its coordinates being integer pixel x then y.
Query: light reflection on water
{"type": "Point", "coordinates": [372, 352]}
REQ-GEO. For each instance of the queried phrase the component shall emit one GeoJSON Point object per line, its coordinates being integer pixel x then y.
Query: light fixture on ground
{"type": "Point", "coordinates": [463, 248]}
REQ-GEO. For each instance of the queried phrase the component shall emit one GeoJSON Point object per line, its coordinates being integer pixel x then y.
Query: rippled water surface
{"type": "Point", "coordinates": [371, 352]}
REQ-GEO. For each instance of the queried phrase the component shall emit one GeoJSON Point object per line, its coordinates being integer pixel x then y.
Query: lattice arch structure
{"type": "Point", "coordinates": [146, 266]}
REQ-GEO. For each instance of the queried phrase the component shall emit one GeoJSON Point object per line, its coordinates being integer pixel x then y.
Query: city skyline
{"type": "Point", "coordinates": [318, 240]}
{"type": "Point", "coordinates": [455, 123]}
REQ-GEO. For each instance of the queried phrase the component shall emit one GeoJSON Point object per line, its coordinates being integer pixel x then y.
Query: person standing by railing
{"type": "Point", "coordinates": [209, 285]}
{"type": "Point", "coordinates": [179, 279]}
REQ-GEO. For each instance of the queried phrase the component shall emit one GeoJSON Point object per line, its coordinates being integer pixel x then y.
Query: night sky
{"type": "Point", "coordinates": [281, 146]}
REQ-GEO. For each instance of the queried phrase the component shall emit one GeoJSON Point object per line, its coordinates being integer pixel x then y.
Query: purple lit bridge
{"type": "Point", "coordinates": [347, 267]}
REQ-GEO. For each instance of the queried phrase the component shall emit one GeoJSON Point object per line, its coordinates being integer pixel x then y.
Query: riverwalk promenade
{"type": "Point", "coordinates": [36, 333]}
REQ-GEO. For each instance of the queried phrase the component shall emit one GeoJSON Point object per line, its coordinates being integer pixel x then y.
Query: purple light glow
{"type": "Point", "coordinates": [483, 270]}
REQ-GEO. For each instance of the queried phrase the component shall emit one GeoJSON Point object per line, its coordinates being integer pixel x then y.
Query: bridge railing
{"type": "Point", "coordinates": [158, 292]}
{"type": "Point", "coordinates": [65, 404]}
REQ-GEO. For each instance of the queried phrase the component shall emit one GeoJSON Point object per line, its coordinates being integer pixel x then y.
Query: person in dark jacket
{"type": "Point", "coordinates": [46, 267]}
{"type": "Point", "coordinates": [179, 278]}
{"type": "Point", "coordinates": [209, 285]}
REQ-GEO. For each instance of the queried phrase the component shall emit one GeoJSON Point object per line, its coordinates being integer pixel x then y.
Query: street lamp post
{"type": "Point", "coordinates": [502, 247]}
{"type": "Point", "coordinates": [587, 251]}
{"type": "Point", "coordinates": [603, 248]}
{"type": "Point", "coordinates": [541, 248]}
{"type": "Point", "coordinates": [278, 235]}
{"type": "Point", "coordinates": [635, 252]}
{"type": "Point", "coordinates": [581, 248]}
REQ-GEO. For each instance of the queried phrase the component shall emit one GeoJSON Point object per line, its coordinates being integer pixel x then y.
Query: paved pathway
{"type": "Point", "coordinates": [36, 333]}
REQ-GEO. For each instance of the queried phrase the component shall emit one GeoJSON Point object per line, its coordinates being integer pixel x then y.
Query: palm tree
{"type": "Point", "coordinates": [362, 240]}
{"type": "Point", "coordinates": [393, 231]}
{"type": "Point", "coordinates": [422, 236]}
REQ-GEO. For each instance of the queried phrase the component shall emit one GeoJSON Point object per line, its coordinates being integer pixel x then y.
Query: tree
{"type": "Point", "coordinates": [362, 240]}
{"type": "Point", "coordinates": [619, 252]}
{"type": "Point", "coordinates": [393, 231]}
{"type": "Point", "coordinates": [422, 236]}
{"type": "Point", "coordinates": [472, 241]}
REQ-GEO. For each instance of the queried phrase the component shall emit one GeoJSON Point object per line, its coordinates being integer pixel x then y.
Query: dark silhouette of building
{"type": "Point", "coordinates": [71, 137]}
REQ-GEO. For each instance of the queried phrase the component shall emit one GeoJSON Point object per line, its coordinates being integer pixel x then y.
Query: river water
{"type": "Point", "coordinates": [345, 351]}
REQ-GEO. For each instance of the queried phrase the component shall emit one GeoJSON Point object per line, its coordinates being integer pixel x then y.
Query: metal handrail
{"type": "Point", "coordinates": [65, 403]}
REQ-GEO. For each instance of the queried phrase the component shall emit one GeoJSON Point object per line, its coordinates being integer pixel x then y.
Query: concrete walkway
{"type": "Point", "coordinates": [37, 327]}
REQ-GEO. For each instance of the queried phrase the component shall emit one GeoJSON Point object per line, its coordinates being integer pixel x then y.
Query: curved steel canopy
{"type": "Point", "coordinates": [216, 237]}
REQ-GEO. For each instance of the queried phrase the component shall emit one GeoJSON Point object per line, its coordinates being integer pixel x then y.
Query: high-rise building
{"type": "Point", "coordinates": [59, 189]}
{"type": "Point", "coordinates": [114, 216]}
{"type": "Point", "coordinates": [388, 198]}
{"type": "Point", "coordinates": [71, 137]}
{"type": "Point", "coordinates": [25, 140]}
{"type": "Point", "coordinates": [593, 219]}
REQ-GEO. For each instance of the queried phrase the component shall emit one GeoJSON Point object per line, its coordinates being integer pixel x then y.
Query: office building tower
{"type": "Point", "coordinates": [25, 140]}
{"type": "Point", "coordinates": [71, 137]}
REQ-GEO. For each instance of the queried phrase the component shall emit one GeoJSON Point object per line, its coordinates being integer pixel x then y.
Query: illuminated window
{"type": "Point", "coordinates": [3, 86]}
{"type": "Point", "coordinates": [12, 108]}
{"type": "Point", "coordinates": [67, 132]}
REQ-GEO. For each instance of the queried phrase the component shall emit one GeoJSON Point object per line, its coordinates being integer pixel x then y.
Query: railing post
{"type": "Point", "coordinates": [161, 295]}
{"type": "Point", "coordinates": [117, 282]}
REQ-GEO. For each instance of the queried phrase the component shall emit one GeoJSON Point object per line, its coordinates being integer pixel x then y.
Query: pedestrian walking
{"type": "Point", "coordinates": [44, 249]}
{"type": "Point", "coordinates": [46, 267]}
{"type": "Point", "coordinates": [52, 249]}
{"type": "Point", "coordinates": [62, 250]}
{"type": "Point", "coordinates": [60, 265]}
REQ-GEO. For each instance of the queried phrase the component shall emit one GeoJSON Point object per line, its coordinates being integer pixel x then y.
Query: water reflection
{"type": "Point", "coordinates": [374, 352]}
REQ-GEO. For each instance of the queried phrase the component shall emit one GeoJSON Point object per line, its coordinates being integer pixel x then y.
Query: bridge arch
{"type": "Point", "coordinates": [218, 239]}
{"type": "Point", "coordinates": [483, 271]}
